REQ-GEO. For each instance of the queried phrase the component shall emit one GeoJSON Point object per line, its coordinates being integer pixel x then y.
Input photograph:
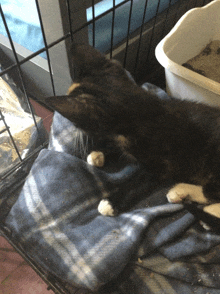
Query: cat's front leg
{"type": "Point", "coordinates": [97, 158]}
{"type": "Point", "coordinates": [213, 209]}
{"type": "Point", "coordinates": [182, 191]}
{"type": "Point", "coordinates": [192, 193]}
{"type": "Point", "coordinates": [212, 222]}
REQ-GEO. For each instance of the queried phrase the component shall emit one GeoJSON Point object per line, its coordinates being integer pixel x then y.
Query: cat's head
{"type": "Point", "coordinates": [103, 99]}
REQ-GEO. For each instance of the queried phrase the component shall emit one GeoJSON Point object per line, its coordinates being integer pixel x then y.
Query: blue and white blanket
{"type": "Point", "coordinates": [154, 247]}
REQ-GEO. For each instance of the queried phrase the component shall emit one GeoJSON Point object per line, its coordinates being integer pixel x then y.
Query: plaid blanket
{"type": "Point", "coordinates": [153, 247]}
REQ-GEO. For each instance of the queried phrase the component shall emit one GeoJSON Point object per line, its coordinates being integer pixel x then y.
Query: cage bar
{"type": "Point", "coordinates": [128, 32]}
{"type": "Point", "coordinates": [152, 33]}
{"type": "Point", "coordinates": [93, 23]}
{"type": "Point", "coordinates": [18, 67]}
{"type": "Point", "coordinates": [69, 19]}
{"type": "Point", "coordinates": [31, 56]}
{"type": "Point", "coordinates": [24, 160]}
{"type": "Point", "coordinates": [140, 39]}
{"type": "Point", "coordinates": [66, 36]}
{"type": "Point", "coordinates": [46, 46]}
{"type": "Point", "coordinates": [7, 128]}
{"type": "Point", "coordinates": [166, 18]}
{"type": "Point", "coordinates": [112, 29]}
{"type": "Point", "coordinates": [53, 284]}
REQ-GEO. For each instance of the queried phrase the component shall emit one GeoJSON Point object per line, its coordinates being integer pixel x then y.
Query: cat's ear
{"type": "Point", "coordinates": [62, 104]}
{"type": "Point", "coordinates": [83, 111]}
{"type": "Point", "coordinates": [71, 107]}
{"type": "Point", "coordinates": [84, 59]}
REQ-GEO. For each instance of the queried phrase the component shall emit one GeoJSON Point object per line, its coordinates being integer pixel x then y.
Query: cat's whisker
{"type": "Point", "coordinates": [84, 145]}
{"type": "Point", "coordinates": [87, 145]}
{"type": "Point", "coordinates": [80, 144]}
{"type": "Point", "coordinates": [75, 145]}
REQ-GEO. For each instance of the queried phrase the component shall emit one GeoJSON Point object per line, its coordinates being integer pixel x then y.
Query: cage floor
{"type": "Point", "coordinates": [16, 276]}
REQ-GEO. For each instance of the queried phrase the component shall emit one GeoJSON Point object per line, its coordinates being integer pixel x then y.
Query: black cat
{"type": "Point", "coordinates": [176, 140]}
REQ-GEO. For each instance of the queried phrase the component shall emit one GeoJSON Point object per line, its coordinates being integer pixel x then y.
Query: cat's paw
{"type": "Point", "coordinates": [182, 191]}
{"type": "Point", "coordinates": [105, 208]}
{"type": "Point", "coordinates": [96, 158]}
{"type": "Point", "coordinates": [213, 209]}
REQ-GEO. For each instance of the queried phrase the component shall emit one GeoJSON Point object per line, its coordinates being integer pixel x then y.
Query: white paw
{"type": "Point", "coordinates": [96, 158]}
{"type": "Point", "coordinates": [213, 209]}
{"type": "Point", "coordinates": [186, 191]}
{"type": "Point", "coordinates": [105, 208]}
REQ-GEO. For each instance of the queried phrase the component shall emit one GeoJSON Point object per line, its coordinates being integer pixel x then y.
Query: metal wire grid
{"type": "Point", "coordinates": [55, 285]}
{"type": "Point", "coordinates": [72, 31]}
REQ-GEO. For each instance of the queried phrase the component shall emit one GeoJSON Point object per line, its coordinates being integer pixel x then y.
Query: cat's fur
{"type": "Point", "coordinates": [176, 140]}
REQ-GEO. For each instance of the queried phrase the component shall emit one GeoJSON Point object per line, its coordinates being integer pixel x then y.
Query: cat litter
{"type": "Point", "coordinates": [207, 62]}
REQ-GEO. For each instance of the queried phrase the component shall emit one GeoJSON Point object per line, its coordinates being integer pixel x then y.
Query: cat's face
{"type": "Point", "coordinates": [101, 99]}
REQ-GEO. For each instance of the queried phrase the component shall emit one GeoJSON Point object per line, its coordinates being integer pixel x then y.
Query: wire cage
{"type": "Point", "coordinates": [135, 49]}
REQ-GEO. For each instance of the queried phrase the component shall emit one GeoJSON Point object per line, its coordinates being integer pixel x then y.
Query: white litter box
{"type": "Point", "coordinates": [197, 28]}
